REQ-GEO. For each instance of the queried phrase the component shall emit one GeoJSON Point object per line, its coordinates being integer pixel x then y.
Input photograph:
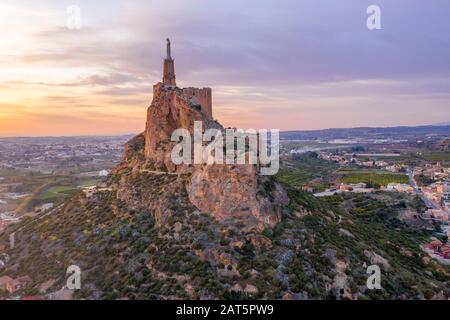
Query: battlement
{"type": "Point", "coordinates": [195, 96]}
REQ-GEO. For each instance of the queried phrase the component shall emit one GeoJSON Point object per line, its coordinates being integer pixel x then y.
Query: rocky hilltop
{"type": "Point", "coordinates": [230, 193]}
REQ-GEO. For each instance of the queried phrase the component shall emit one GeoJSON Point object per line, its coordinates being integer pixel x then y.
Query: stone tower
{"type": "Point", "coordinates": [199, 98]}
{"type": "Point", "coordinates": [169, 68]}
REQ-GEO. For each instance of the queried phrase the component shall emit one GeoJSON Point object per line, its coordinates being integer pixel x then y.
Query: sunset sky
{"type": "Point", "coordinates": [302, 65]}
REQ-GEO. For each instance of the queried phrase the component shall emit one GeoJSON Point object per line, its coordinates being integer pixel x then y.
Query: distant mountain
{"type": "Point", "coordinates": [443, 124]}
{"type": "Point", "coordinates": [368, 132]}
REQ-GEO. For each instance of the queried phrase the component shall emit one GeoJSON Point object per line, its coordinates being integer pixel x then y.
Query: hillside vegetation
{"type": "Point", "coordinates": [319, 250]}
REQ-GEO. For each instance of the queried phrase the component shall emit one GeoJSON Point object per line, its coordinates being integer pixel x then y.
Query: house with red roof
{"type": "Point", "coordinates": [438, 248]}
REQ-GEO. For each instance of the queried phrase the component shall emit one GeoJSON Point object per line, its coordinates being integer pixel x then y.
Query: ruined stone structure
{"type": "Point", "coordinates": [171, 109]}
{"type": "Point", "coordinates": [201, 98]}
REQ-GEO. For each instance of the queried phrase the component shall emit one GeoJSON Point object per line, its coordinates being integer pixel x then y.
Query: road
{"type": "Point", "coordinates": [430, 204]}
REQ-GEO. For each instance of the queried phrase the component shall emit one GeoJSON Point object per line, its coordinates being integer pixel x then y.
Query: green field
{"type": "Point", "coordinates": [6, 172]}
{"type": "Point", "coordinates": [374, 179]}
{"type": "Point", "coordinates": [55, 193]}
{"type": "Point", "coordinates": [306, 169]}
{"type": "Point", "coordinates": [437, 156]}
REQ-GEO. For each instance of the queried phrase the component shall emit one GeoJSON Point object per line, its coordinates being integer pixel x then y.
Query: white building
{"type": "Point", "coordinates": [446, 196]}
{"type": "Point", "coordinates": [399, 187]}
{"type": "Point", "coordinates": [46, 206]}
{"type": "Point", "coordinates": [103, 173]}
{"type": "Point", "coordinates": [393, 168]}
{"type": "Point", "coordinates": [446, 192]}
{"type": "Point", "coordinates": [381, 163]}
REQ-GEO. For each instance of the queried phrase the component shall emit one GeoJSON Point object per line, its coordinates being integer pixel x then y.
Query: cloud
{"type": "Point", "coordinates": [275, 62]}
{"type": "Point", "coordinates": [93, 80]}
{"type": "Point", "coordinates": [281, 46]}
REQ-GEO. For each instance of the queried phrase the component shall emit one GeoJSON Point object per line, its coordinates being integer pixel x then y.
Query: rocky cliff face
{"type": "Point", "coordinates": [237, 194]}
{"type": "Point", "coordinates": [170, 110]}
{"type": "Point", "coordinates": [230, 193]}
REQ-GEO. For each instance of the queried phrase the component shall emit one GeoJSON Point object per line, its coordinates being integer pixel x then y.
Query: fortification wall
{"type": "Point", "coordinates": [202, 97]}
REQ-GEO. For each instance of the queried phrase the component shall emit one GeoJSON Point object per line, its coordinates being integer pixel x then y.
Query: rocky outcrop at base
{"type": "Point", "coordinates": [230, 193]}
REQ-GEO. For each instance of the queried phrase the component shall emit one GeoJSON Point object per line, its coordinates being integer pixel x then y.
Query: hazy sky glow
{"type": "Point", "coordinates": [307, 64]}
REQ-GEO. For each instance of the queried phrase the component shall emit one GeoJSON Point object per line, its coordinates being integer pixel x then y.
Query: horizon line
{"type": "Point", "coordinates": [281, 131]}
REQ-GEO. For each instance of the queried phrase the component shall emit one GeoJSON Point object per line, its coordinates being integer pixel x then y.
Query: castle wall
{"type": "Point", "coordinates": [203, 97]}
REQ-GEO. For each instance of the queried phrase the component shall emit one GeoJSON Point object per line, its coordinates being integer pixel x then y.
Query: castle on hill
{"type": "Point", "coordinates": [199, 97]}
{"type": "Point", "coordinates": [172, 109]}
